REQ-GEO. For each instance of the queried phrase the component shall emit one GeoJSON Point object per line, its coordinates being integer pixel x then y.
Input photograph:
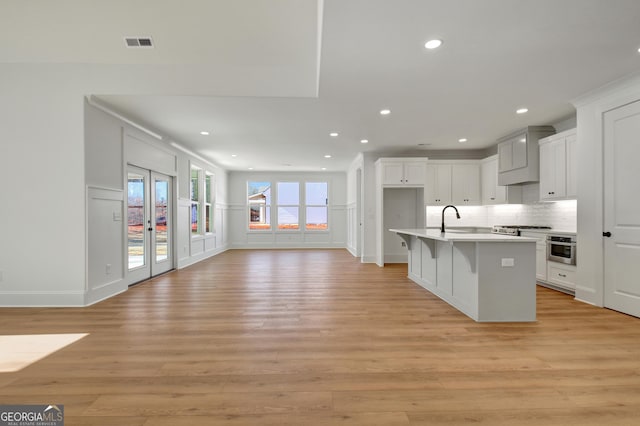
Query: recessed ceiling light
{"type": "Point", "coordinates": [385, 111]}
{"type": "Point", "coordinates": [462, 140]}
{"type": "Point", "coordinates": [433, 44]}
{"type": "Point", "coordinates": [327, 156]}
{"type": "Point", "coordinates": [364, 141]}
{"type": "Point", "coordinates": [250, 168]}
{"type": "Point", "coordinates": [333, 134]}
{"type": "Point", "coordinates": [204, 133]}
{"type": "Point", "coordinates": [234, 155]}
{"type": "Point", "coordinates": [324, 168]}
{"type": "Point", "coordinates": [522, 111]}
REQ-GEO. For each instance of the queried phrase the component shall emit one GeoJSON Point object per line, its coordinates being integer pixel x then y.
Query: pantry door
{"type": "Point", "coordinates": [621, 231]}
{"type": "Point", "coordinates": [149, 224]}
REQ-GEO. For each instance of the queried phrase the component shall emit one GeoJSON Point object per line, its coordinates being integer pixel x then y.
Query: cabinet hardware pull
{"type": "Point", "coordinates": [606, 234]}
{"type": "Point", "coordinates": [562, 275]}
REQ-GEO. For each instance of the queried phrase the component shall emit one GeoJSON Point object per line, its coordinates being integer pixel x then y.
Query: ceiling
{"type": "Point", "coordinates": [275, 78]}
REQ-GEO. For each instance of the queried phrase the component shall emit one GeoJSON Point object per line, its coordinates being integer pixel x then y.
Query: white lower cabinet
{"type": "Point", "coordinates": [541, 254]}
{"type": "Point", "coordinates": [562, 275]}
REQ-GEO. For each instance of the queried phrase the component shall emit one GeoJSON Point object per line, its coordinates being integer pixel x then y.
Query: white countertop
{"type": "Point", "coordinates": [435, 234]}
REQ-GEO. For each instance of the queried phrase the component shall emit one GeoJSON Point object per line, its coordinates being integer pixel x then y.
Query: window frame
{"type": "Point", "coordinates": [302, 205]}
{"type": "Point", "coordinates": [267, 206]}
{"type": "Point", "coordinates": [209, 202]}
{"type": "Point", "coordinates": [326, 206]}
{"type": "Point", "coordinates": [298, 206]}
{"type": "Point", "coordinates": [195, 202]}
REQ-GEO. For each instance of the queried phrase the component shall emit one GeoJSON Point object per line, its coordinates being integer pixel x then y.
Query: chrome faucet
{"type": "Point", "coordinates": [446, 207]}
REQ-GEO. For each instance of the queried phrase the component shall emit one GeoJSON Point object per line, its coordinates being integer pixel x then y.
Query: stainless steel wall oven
{"type": "Point", "coordinates": [562, 249]}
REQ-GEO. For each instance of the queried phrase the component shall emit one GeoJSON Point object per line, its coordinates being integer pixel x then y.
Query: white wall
{"type": "Point", "coordinates": [241, 237]}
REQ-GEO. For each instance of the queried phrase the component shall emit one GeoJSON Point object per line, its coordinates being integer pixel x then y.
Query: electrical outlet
{"type": "Point", "coordinates": [508, 262]}
{"type": "Point", "coordinates": [108, 268]}
{"type": "Point", "coordinates": [1, 276]}
{"type": "Point", "coordinates": [403, 244]}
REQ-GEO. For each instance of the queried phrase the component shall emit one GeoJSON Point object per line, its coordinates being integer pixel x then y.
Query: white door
{"type": "Point", "coordinates": [622, 209]}
{"type": "Point", "coordinates": [149, 224]}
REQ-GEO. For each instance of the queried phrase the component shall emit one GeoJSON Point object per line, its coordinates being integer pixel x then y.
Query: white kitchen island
{"type": "Point", "coordinates": [488, 277]}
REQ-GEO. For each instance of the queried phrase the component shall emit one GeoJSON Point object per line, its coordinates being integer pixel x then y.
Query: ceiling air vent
{"type": "Point", "coordinates": [146, 42]}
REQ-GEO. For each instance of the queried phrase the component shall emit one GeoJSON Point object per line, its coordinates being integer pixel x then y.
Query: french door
{"type": "Point", "coordinates": [621, 209]}
{"type": "Point", "coordinates": [149, 224]}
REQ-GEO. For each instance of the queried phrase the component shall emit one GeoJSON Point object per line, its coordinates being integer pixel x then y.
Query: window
{"type": "Point", "coordinates": [209, 189]}
{"type": "Point", "coordinates": [288, 205]}
{"type": "Point", "coordinates": [259, 200]}
{"type": "Point", "coordinates": [195, 201]}
{"type": "Point", "coordinates": [316, 201]}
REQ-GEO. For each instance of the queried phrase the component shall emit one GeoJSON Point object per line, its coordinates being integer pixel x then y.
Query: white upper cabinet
{"type": "Point", "coordinates": [438, 185]}
{"type": "Point", "coordinates": [402, 172]}
{"type": "Point", "coordinates": [465, 184]}
{"type": "Point", "coordinates": [450, 182]}
{"type": "Point", "coordinates": [492, 193]}
{"type": "Point", "coordinates": [558, 166]}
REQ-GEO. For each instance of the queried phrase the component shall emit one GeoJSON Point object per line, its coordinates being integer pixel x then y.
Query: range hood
{"type": "Point", "coordinates": [519, 155]}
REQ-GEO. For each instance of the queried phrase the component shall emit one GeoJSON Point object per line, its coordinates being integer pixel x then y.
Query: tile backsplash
{"type": "Point", "coordinates": [560, 215]}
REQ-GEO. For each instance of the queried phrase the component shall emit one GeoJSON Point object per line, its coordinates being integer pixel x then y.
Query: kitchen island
{"type": "Point", "coordinates": [488, 277]}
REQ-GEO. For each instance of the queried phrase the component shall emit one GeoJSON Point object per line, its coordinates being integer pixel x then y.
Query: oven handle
{"type": "Point", "coordinates": [557, 243]}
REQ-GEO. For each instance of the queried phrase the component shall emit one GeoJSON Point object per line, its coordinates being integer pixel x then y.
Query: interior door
{"type": "Point", "coordinates": [149, 224]}
{"type": "Point", "coordinates": [621, 207]}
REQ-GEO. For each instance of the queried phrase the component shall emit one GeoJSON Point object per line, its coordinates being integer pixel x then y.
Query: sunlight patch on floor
{"type": "Point", "coordinates": [20, 351]}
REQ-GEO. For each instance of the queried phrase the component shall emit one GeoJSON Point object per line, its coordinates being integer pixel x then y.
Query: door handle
{"type": "Point", "coordinates": [149, 229]}
{"type": "Point", "coordinates": [606, 234]}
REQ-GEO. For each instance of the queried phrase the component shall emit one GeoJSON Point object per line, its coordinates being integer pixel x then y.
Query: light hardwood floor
{"type": "Point", "coordinates": [313, 337]}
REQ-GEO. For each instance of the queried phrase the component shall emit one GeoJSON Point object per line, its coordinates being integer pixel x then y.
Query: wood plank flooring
{"type": "Point", "coordinates": [314, 337]}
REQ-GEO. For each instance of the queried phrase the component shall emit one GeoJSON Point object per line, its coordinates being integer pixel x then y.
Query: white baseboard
{"type": "Point", "coordinates": [104, 292]}
{"type": "Point", "coordinates": [396, 258]}
{"type": "Point", "coordinates": [183, 263]}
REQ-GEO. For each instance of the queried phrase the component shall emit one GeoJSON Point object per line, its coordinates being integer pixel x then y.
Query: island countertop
{"type": "Point", "coordinates": [453, 236]}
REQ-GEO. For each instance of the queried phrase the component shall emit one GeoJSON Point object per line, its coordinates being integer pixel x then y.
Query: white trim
{"type": "Point", "coordinates": [193, 154]}
{"type": "Point", "coordinates": [95, 103]}
{"type": "Point", "coordinates": [105, 291]}
{"type": "Point", "coordinates": [192, 260]}
{"type": "Point", "coordinates": [596, 95]}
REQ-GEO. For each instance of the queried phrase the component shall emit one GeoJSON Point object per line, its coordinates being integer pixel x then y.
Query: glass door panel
{"type": "Point", "coordinates": [149, 219]}
{"type": "Point", "coordinates": [161, 195]}
{"type": "Point", "coordinates": [136, 219]}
